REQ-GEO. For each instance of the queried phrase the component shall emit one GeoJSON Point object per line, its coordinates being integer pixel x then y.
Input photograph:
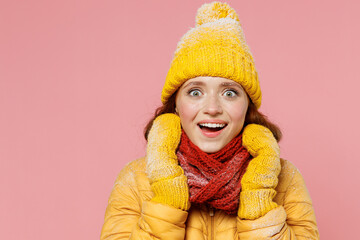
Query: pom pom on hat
{"type": "Point", "coordinates": [211, 12]}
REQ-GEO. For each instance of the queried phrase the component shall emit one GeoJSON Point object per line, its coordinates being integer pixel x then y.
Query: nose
{"type": "Point", "coordinates": [213, 105]}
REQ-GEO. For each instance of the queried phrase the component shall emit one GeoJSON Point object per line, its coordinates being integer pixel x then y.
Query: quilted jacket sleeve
{"type": "Point", "coordinates": [292, 220]}
{"type": "Point", "coordinates": [127, 216]}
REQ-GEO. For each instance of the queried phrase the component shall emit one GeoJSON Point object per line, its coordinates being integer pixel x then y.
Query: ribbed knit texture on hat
{"type": "Point", "coordinates": [215, 47]}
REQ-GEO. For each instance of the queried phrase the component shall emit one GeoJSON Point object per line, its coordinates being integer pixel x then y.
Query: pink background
{"type": "Point", "coordinates": [79, 80]}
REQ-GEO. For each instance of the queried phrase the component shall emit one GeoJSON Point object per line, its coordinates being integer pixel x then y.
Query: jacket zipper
{"type": "Point", "coordinates": [212, 214]}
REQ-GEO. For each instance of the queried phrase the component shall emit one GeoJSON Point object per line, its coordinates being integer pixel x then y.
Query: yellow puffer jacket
{"type": "Point", "coordinates": [131, 215]}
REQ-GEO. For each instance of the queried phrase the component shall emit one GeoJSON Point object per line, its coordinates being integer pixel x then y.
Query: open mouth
{"type": "Point", "coordinates": [212, 127]}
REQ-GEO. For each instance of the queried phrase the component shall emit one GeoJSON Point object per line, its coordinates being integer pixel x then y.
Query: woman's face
{"type": "Point", "coordinates": [212, 111]}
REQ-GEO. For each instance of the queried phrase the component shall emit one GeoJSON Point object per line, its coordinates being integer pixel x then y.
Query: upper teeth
{"type": "Point", "coordinates": [212, 125]}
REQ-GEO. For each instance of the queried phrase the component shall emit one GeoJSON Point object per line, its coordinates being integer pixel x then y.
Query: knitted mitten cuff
{"type": "Point", "coordinates": [256, 203]}
{"type": "Point", "coordinates": [173, 192]}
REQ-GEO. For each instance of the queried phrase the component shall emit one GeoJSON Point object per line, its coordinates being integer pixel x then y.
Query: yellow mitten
{"type": "Point", "coordinates": [167, 178]}
{"type": "Point", "coordinates": [261, 177]}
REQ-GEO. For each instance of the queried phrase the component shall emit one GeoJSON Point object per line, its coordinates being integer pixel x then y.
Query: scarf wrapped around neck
{"type": "Point", "coordinates": [214, 179]}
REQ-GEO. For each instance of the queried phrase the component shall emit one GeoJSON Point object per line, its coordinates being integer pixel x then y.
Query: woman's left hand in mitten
{"type": "Point", "coordinates": [261, 177]}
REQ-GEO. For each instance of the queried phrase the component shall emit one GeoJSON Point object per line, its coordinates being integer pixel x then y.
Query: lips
{"type": "Point", "coordinates": [212, 128]}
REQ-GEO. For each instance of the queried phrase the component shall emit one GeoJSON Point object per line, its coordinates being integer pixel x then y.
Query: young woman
{"type": "Point", "coordinates": [212, 168]}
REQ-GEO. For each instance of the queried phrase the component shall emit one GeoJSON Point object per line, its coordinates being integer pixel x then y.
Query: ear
{"type": "Point", "coordinates": [176, 111]}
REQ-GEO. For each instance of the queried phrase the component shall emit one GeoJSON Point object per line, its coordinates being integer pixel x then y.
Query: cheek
{"type": "Point", "coordinates": [187, 110]}
{"type": "Point", "coordinates": [187, 113]}
{"type": "Point", "coordinates": [237, 113]}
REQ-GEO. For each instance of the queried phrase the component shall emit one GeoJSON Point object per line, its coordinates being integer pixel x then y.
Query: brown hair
{"type": "Point", "coordinates": [252, 116]}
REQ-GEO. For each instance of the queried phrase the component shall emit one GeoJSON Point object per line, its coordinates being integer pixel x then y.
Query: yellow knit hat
{"type": "Point", "coordinates": [216, 47]}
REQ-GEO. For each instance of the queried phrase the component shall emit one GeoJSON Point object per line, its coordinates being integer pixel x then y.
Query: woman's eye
{"type": "Point", "coordinates": [230, 93]}
{"type": "Point", "coordinates": [195, 93]}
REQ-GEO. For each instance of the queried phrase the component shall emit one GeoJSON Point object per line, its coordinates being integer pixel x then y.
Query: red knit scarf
{"type": "Point", "coordinates": [214, 179]}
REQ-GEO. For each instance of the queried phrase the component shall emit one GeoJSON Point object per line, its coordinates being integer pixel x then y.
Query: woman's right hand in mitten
{"type": "Point", "coordinates": [167, 178]}
{"type": "Point", "coordinates": [261, 177]}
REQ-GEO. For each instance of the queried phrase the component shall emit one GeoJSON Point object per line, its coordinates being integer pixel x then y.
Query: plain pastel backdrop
{"type": "Point", "coordinates": [80, 79]}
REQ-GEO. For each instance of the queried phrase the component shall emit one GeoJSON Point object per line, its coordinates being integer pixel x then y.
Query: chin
{"type": "Point", "coordinates": [210, 148]}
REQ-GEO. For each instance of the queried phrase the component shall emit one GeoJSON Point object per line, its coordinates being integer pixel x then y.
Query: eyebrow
{"type": "Point", "coordinates": [196, 83]}
{"type": "Point", "coordinates": [230, 84]}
